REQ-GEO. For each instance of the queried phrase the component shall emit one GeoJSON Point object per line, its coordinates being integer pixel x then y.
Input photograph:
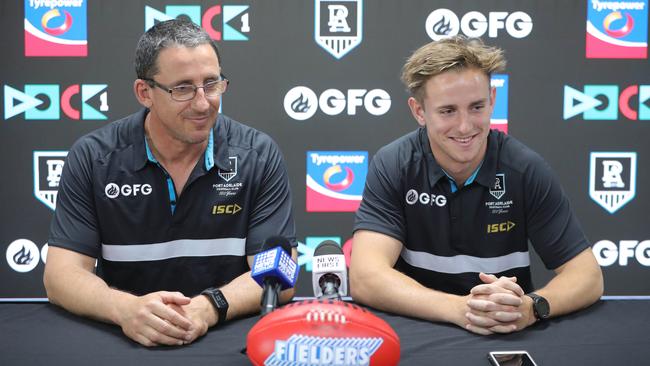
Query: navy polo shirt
{"type": "Point", "coordinates": [117, 204]}
{"type": "Point", "coordinates": [450, 234]}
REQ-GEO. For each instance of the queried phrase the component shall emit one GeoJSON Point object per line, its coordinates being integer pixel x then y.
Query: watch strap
{"type": "Point", "coordinates": [539, 302]}
{"type": "Point", "coordinates": [219, 303]}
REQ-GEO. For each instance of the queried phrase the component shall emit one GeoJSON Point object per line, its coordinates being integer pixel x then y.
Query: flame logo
{"type": "Point", "coordinates": [54, 13]}
{"type": "Point", "coordinates": [411, 196]}
{"type": "Point", "coordinates": [23, 257]}
{"type": "Point", "coordinates": [300, 104]}
{"type": "Point", "coordinates": [343, 184]}
{"type": "Point", "coordinates": [442, 27]}
{"type": "Point", "coordinates": [112, 190]}
{"type": "Point", "coordinates": [624, 30]}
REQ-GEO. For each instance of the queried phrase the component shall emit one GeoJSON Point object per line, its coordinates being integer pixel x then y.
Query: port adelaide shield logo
{"type": "Point", "coordinates": [338, 25]}
{"type": "Point", "coordinates": [48, 166]}
{"type": "Point", "coordinates": [612, 179]}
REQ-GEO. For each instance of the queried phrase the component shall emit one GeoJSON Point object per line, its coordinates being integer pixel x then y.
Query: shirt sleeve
{"type": "Point", "coordinates": [552, 227]}
{"type": "Point", "coordinates": [272, 212]}
{"type": "Point", "coordinates": [74, 225]}
{"type": "Point", "coordinates": [381, 208]}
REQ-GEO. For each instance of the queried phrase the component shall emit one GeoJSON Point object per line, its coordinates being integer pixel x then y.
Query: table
{"type": "Point", "coordinates": [608, 333]}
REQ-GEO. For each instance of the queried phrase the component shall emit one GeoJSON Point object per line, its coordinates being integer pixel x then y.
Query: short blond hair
{"type": "Point", "coordinates": [457, 52]}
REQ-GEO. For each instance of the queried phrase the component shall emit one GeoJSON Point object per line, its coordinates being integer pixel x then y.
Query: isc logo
{"type": "Point", "coordinates": [193, 12]}
{"type": "Point", "coordinates": [45, 102]}
{"type": "Point", "coordinates": [226, 209]}
{"type": "Point", "coordinates": [500, 228]}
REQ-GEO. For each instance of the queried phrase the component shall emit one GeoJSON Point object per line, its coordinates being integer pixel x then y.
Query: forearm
{"type": "Point", "coordinates": [82, 292]}
{"type": "Point", "coordinates": [390, 290]}
{"type": "Point", "coordinates": [577, 285]}
{"type": "Point", "coordinates": [243, 295]}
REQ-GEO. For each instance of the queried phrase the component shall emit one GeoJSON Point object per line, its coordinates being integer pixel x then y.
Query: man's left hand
{"type": "Point", "coordinates": [199, 312]}
{"type": "Point", "coordinates": [498, 306]}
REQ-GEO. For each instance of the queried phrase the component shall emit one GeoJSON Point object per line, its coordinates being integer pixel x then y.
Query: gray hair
{"type": "Point", "coordinates": [170, 33]}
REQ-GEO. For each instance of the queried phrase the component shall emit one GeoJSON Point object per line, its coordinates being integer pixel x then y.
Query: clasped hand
{"type": "Point", "coordinates": [162, 318]}
{"type": "Point", "coordinates": [496, 306]}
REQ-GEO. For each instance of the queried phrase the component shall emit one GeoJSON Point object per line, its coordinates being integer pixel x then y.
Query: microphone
{"type": "Point", "coordinates": [329, 272]}
{"type": "Point", "coordinates": [274, 270]}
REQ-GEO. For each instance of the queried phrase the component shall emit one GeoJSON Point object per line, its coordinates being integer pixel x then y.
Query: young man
{"type": "Point", "coordinates": [172, 201]}
{"type": "Point", "coordinates": [453, 201]}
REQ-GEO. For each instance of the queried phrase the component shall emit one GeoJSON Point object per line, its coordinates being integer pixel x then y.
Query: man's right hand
{"type": "Point", "coordinates": [494, 306]}
{"type": "Point", "coordinates": [156, 319]}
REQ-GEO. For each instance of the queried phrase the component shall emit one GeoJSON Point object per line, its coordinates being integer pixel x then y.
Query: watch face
{"type": "Point", "coordinates": [541, 307]}
{"type": "Point", "coordinates": [220, 300]}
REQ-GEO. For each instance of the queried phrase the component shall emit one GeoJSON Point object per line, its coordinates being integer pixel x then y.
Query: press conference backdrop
{"type": "Point", "coordinates": [322, 78]}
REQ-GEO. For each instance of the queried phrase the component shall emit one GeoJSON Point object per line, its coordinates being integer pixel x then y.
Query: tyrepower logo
{"type": "Point", "coordinates": [427, 199]}
{"type": "Point", "coordinates": [113, 190]}
{"type": "Point", "coordinates": [617, 29]}
{"type": "Point", "coordinates": [235, 24]}
{"type": "Point", "coordinates": [335, 180]}
{"type": "Point", "coordinates": [45, 101]}
{"type": "Point", "coordinates": [55, 28]}
{"type": "Point", "coordinates": [603, 102]}
{"type": "Point", "coordinates": [444, 23]}
{"type": "Point", "coordinates": [609, 253]}
{"type": "Point", "coordinates": [301, 103]}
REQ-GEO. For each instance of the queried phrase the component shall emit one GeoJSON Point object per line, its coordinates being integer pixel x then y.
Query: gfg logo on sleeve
{"type": "Point", "coordinates": [112, 190]}
{"type": "Point", "coordinates": [427, 199]}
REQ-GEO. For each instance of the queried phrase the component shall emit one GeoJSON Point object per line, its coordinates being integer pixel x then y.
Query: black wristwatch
{"type": "Point", "coordinates": [541, 307]}
{"type": "Point", "coordinates": [218, 301]}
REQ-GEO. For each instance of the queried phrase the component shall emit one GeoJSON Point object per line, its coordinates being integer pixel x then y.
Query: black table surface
{"type": "Point", "coordinates": [610, 332]}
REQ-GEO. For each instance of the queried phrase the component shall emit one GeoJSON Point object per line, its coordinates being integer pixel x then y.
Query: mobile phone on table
{"type": "Point", "coordinates": [511, 358]}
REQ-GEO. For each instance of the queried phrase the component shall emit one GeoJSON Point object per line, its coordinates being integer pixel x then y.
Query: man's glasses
{"type": "Point", "coordinates": [185, 92]}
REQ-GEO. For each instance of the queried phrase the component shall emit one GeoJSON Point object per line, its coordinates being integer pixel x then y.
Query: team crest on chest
{"type": "Point", "coordinates": [228, 188]}
{"type": "Point", "coordinates": [498, 189]}
{"type": "Point", "coordinates": [228, 175]}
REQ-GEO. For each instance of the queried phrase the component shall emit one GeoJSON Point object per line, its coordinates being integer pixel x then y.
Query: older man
{"type": "Point", "coordinates": [172, 202]}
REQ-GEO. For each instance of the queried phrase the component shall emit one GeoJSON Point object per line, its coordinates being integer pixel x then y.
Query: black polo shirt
{"type": "Point", "coordinates": [451, 234]}
{"type": "Point", "coordinates": [117, 204]}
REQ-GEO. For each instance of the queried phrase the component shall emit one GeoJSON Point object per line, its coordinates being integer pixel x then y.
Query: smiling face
{"type": "Point", "coordinates": [456, 110]}
{"type": "Point", "coordinates": [186, 122]}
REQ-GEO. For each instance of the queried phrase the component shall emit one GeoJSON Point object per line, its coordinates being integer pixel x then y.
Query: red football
{"type": "Point", "coordinates": [322, 332]}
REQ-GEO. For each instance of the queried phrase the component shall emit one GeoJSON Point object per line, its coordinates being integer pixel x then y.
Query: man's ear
{"type": "Point", "coordinates": [417, 110]}
{"type": "Point", "coordinates": [142, 92]}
